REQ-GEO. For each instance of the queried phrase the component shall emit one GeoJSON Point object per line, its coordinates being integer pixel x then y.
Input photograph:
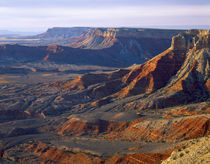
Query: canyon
{"type": "Point", "coordinates": [111, 95]}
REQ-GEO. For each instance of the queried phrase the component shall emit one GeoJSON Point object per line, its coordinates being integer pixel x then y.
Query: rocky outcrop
{"type": "Point", "coordinates": [193, 151]}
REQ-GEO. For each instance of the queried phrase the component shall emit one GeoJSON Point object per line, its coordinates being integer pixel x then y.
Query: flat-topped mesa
{"type": "Point", "coordinates": [197, 39]}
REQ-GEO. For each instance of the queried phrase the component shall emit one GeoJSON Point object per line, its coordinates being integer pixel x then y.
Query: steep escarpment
{"type": "Point", "coordinates": [144, 43]}
{"type": "Point", "coordinates": [96, 39]}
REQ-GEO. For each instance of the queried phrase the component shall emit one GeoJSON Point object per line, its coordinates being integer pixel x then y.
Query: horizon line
{"type": "Point", "coordinates": [175, 27]}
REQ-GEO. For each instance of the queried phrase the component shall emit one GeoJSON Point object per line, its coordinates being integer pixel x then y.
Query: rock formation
{"type": "Point", "coordinates": [193, 151]}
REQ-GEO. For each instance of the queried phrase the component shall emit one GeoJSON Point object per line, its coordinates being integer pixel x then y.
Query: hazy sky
{"type": "Point", "coordinates": [38, 15]}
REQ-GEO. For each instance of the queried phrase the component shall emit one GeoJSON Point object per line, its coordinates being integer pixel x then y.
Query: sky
{"type": "Point", "coordinates": [39, 15]}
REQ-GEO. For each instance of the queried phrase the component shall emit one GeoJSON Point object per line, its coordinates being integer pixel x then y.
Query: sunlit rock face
{"type": "Point", "coordinates": [192, 38]}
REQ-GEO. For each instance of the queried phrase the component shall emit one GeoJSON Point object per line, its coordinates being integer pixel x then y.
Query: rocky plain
{"type": "Point", "coordinates": [105, 95]}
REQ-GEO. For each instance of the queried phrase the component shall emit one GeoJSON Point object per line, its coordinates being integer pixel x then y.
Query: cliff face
{"type": "Point", "coordinates": [144, 43]}
{"type": "Point", "coordinates": [96, 39]}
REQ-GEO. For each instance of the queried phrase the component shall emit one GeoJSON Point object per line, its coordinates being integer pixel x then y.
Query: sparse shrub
{"type": "Point", "coordinates": [181, 155]}
{"type": "Point", "coordinates": [174, 158]}
{"type": "Point", "coordinates": [187, 151]}
{"type": "Point", "coordinates": [179, 149]}
{"type": "Point", "coordinates": [183, 147]}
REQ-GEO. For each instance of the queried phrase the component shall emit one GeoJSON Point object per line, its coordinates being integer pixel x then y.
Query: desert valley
{"type": "Point", "coordinates": [105, 96]}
